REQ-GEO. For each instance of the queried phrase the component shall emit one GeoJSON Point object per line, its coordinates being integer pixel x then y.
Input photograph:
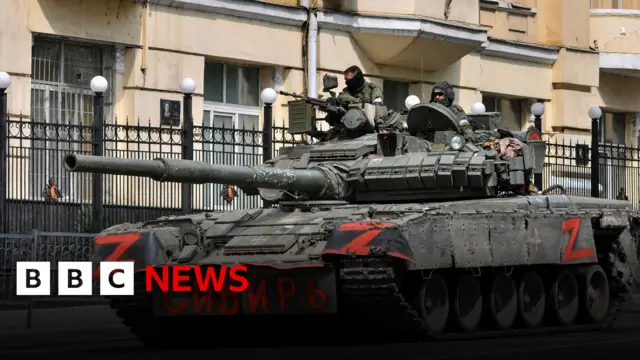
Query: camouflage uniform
{"type": "Point", "coordinates": [450, 96]}
{"type": "Point", "coordinates": [360, 91]}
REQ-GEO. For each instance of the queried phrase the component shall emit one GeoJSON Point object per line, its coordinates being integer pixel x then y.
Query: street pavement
{"type": "Point", "coordinates": [95, 331]}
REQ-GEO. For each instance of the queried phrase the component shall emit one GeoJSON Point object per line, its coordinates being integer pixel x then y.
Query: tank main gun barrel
{"type": "Point", "coordinates": [198, 172]}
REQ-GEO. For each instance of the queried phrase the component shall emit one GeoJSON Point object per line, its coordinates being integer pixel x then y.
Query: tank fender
{"type": "Point", "coordinates": [141, 247]}
{"type": "Point", "coordinates": [367, 237]}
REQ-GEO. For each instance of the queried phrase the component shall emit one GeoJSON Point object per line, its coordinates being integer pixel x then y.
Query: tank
{"type": "Point", "coordinates": [420, 234]}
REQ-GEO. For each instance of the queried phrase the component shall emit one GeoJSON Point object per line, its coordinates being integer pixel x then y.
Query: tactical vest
{"type": "Point", "coordinates": [363, 95]}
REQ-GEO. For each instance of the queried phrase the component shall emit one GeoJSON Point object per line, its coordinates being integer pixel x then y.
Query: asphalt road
{"type": "Point", "coordinates": [94, 331]}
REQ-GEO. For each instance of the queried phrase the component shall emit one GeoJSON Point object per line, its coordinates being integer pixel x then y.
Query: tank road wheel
{"type": "Point", "coordinates": [531, 299]}
{"type": "Point", "coordinates": [433, 304]}
{"type": "Point", "coordinates": [595, 294]}
{"type": "Point", "coordinates": [503, 301]}
{"type": "Point", "coordinates": [563, 298]}
{"type": "Point", "coordinates": [467, 302]}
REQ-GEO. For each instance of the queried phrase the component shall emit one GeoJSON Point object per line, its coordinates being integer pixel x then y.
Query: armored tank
{"type": "Point", "coordinates": [415, 235]}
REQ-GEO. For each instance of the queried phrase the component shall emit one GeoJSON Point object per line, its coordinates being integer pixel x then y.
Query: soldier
{"type": "Point", "coordinates": [443, 94]}
{"type": "Point", "coordinates": [360, 91]}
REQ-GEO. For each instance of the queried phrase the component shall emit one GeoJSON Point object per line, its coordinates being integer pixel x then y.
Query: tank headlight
{"type": "Point", "coordinates": [457, 143]}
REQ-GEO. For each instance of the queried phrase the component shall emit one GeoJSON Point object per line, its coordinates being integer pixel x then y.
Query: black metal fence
{"type": "Point", "coordinates": [568, 164]}
{"type": "Point", "coordinates": [35, 161]}
{"type": "Point", "coordinates": [35, 152]}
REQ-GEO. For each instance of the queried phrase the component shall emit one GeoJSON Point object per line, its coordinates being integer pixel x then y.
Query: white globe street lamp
{"type": "Point", "coordinates": [268, 96]}
{"type": "Point", "coordinates": [99, 84]}
{"type": "Point", "coordinates": [411, 101]}
{"type": "Point", "coordinates": [5, 80]}
{"type": "Point", "coordinates": [537, 109]}
{"type": "Point", "coordinates": [595, 113]}
{"type": "Point", "coordinates": [478, 108]}
{"type": "Point", "coordinates": [187, 85]}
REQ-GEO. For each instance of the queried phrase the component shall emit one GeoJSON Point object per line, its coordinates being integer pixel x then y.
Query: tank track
{"type": "Point", "coordinates": [371, 288]}
{"type": "Point", "coordinates": [136, 312]}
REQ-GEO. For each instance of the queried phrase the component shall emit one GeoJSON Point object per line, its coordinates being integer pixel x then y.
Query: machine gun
{"type": "Point", "coordinates": [331, 105]}
{"type": "Point", "coordinates": [347, 121]}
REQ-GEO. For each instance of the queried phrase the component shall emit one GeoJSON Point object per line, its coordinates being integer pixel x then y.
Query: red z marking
{"type": "Point", "coordinates": [358, 245]}
{"type": "Point", "coordinates": [570, 253]}
{"type": "Point", "coordinates": [124, 242]}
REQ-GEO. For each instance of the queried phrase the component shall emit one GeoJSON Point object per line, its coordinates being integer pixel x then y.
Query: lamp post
{"type": "Point", "coordinates": [595, 113]}
{"type": "Point", "coordinates": [268, 97]}
{"type": "Point", "coordinates": [537, 110]}
{"type": "Point", "coordinates": [5, 81]}
{"type": "Point", "coordinates": [411, 101]}
{"type": "Point", "coordinates": [98, 85]}
{"type": "Point", "coordinates": [187, 86]}
{"type": "Point", "coordinates": [478, 108]}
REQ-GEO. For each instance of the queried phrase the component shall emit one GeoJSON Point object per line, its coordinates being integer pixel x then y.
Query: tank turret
{"type": "Point", "coordinates": [432, 162]}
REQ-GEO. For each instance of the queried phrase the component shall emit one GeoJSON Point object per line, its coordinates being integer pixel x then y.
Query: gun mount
{"type": "Point", "coordinates": [348, 121]}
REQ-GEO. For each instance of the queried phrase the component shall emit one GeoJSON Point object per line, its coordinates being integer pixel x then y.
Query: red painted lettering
{"type": "Point", "coordinates": [123, 241]}
{"type": "Point", "coordinates": [177, 278]}
{"type": "Point", "coordinates": [364, 225]}
{"type": "Point", "coordinates": [244, 283]}
{"type": "Point", "coordinates": [570, 253]}
{"type": "Point", "coordinates": [152, 276]}
{"type": "Point", "coordinates": [316, 297]}
{"type": "Point", "coordinates": [257, 297]}
{"type": "Point", "coordinates": [282, 295]}
{"type": "Point", "coordinates": [210, 278]}
{"type": "Point", "coordinates": [229, 302]}
{"type": "Point", "coordinates": [181, 306]}
{"type": "Point", "coordinates": [202, 299]}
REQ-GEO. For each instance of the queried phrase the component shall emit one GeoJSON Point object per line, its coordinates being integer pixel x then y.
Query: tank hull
{"type": "Point", "coordinates": [442, 271]}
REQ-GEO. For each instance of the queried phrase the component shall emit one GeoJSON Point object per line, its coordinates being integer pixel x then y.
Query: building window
{"type": "Point", "coordinates": [230, 120]}
{"type": "Point", "coordinates": [61, 98]}
{"type": "Point", "coordinates": [614, 129]}
{"type": "Point", "coordinates": [231, 84]}
{"type": "Point", "coordinates": [509, 109]}
{"type": "Point", "coordinates": [606, 4]}
{"type": "Point", "coordinates": [395, 93]}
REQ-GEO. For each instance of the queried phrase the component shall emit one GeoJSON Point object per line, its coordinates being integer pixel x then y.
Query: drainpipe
{"type": "Point", "coordinates": [312, 49]}
{"type": "Point", "coordinates": [145, 39]}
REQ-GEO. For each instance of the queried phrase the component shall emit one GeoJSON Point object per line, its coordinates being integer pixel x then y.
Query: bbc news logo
{"type": "Point", "coordinates": [33, 278]}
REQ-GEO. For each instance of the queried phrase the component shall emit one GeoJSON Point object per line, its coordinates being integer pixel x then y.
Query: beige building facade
{"type": "Point", "coordinates": [508, 54]}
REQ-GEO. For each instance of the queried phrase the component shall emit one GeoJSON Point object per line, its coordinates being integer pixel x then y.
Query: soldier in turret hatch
{"type": "Point", "coordinates": [360, 91]}
{"type": "Point", "coordinates": [443, 94]}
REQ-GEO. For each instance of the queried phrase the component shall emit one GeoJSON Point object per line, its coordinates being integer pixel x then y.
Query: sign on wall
{"type": "Point", "coordinates": [169, 112]}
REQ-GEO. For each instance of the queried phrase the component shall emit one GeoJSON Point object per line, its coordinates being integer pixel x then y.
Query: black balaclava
{"type": "Point", "coordinates": [447, 89]}
{"type": "Point", "coordinates": [357, 81]}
